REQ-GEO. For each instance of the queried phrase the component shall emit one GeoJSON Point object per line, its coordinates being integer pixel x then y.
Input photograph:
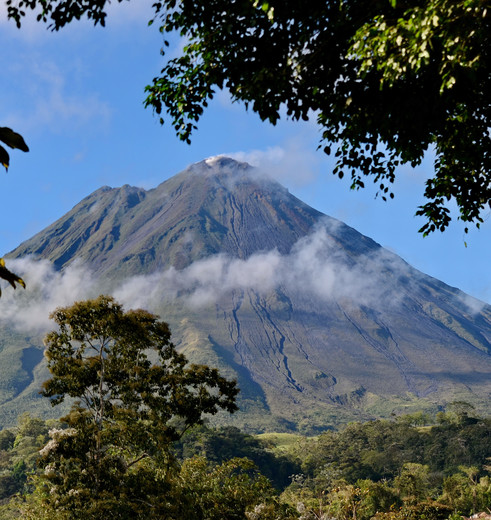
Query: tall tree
{"type": "Point", "coordinates": [386, 80]}
{"type": "Point", "coordinates": [135, 395]}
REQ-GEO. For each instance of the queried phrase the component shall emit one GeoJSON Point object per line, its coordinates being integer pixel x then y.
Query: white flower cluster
{"type": "Point", "coordinates": [50, 470]}
{"type": "Point", "coordinates": [57, 435]}
{"type": "Point", "coordinates": [257, 513]}
{"type": "Point", "coordinates": [308, 514]}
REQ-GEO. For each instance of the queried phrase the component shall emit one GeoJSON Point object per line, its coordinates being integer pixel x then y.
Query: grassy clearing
{"type": "Point", "coordinates": [280, 443]}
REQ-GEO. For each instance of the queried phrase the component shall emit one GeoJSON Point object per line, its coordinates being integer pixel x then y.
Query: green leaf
{"type": "Point", "coordinates": [11, 278]}
{"type": "Point", "coordinates": [4, 158]}
{"type": "Point", "coordinates": [13, 139]}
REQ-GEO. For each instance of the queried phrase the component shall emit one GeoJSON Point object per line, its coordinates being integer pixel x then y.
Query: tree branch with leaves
{"type": "Point", "coordinates": [387, 81]}
{"type": "Point", "coordinates": [13, 140]}
{"type": "Point", "coordinates": [134, 396]}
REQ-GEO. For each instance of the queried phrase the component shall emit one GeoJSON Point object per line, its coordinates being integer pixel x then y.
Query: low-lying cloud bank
{"type": "Point", "coordinates": [28, 310]}
{"type": "Point", "coordinates": [317, 267]}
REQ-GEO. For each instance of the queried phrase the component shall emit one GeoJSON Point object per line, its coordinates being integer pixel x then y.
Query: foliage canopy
{"type": "Point", "coordinates": [135, 396]}
{"type": "Point", "coordinates": [391, 470]}
{"type": "Point", "coordinates": [386, 80]}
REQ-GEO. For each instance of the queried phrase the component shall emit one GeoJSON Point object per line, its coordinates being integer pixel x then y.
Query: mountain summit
{"type": "Point", "coordinates": [318, 323]}
{"type": "Point", "coordinates": [216, 206]}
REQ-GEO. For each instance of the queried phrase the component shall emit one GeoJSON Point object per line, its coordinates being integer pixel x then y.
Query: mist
{"type": "Point", "coordinates": [29, 309]}
{"type": "Point", "coordinates": [316, 267]}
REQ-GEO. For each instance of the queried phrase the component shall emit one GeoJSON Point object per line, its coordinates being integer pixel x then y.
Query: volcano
{"type": "Point", "coordinates": [317, 322]}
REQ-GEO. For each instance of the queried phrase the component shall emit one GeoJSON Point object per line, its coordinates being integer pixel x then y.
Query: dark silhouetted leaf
{"type": "Point", "coordinates": [4, 157]}
{"type": "Point", "coordinates": [11, 278]}
{"type": "Point", "coordinates": [13, 139]}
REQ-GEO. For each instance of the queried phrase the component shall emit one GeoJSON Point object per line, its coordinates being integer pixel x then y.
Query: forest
{"type": "Point", "coordinates": [410, 467]}
{"type": "Point", "coordinates": [138, 442]}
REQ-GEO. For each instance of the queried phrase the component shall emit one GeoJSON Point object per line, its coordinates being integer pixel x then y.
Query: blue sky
{"type": "Point", "coordinates": [77, 98]}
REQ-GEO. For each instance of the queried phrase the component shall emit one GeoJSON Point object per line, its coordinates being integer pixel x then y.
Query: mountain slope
{"type": "Point", "coordinates": [218, 206]}
{"type": "Point", "coordinates": [319, 323]}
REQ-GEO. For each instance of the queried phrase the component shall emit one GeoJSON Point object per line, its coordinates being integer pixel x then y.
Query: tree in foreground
{"type": "Point", "coordinates": [387, 80]}
{"type": "Point", "coordinates": [135, 396]}
{"type": "Point", "coordinates": [232, 490]}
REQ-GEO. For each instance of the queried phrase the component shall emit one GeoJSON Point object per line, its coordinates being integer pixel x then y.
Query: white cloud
{"type": "Point", "coordinates": [295, 163]}
{"type": "Point", "coordinates": [473, 305]}
{"type": "Point", "coordinates": [316, 266]}
{"type": "Point", "coordinates": [50, 100]}
{"type": "Point", "coordinates": [203, 282]}
{"type": "Point", "coordinates": [47, 289]}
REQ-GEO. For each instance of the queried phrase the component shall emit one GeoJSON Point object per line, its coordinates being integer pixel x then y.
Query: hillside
{"type": "Point", "coordinates": [319, 323]}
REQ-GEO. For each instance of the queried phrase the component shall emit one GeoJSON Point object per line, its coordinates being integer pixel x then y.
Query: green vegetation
{"type": "Point", "coordinates": [386, 81]}
{"type": "Point", "coordinates": [19, 452]}
{"type": "Point", "coordinates": [222, 444]}
{"type": "Point", "coordinates": [397, 469]}
{"type": "Point", "coordinates": [11, 277]}
{"type": "Point", "coordinates": [135, 445]}
{"type": "Point", "coordinates": [281, 442]}
{"type": "Point", "coordinates": [134, 397]}
{"type": "Point", "coordinates": [412, 467]}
